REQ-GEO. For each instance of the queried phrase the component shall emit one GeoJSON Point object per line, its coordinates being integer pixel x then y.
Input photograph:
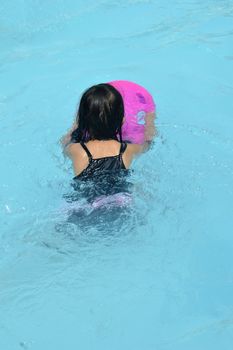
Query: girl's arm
{"type": "Point", "coordinates": [149, 135]}
{"type": "Point", "coordinates": [66, 139]}
{"type": "Point", "coordinates": [133, 150]}
{"type": "Point", "coordinates": [150, 131]}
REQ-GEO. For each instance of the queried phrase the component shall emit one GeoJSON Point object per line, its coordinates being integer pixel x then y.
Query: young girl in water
{"type": "Point", "coordinates": [94, 143]}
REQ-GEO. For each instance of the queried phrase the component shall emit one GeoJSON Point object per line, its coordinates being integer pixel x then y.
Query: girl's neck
{"type": "Point", "coordinates": [105, 140]}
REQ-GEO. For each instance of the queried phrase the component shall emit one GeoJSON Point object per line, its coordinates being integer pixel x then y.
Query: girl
{"type": "Point", "coordinates": [94, 143]}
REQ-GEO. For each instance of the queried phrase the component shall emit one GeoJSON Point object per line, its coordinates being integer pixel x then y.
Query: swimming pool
{"type": "Point", "coordinates": [161, 278]}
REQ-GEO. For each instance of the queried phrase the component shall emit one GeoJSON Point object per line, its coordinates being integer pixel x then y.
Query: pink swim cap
{"type": "Point", "coordinates": [137, 103]}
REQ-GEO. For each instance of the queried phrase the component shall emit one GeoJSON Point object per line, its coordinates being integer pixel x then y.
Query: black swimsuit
{"type": "Point", "coordinates": [103, 176]}
{"type": "Point", "coordinates": [98, 166]}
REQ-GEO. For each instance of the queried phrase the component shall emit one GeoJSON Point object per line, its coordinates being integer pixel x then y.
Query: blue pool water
{"type": "Point", "coordinates": [160, 278]}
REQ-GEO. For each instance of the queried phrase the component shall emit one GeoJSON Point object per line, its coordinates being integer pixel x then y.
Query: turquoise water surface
{"type": "Point", "coordinates": [160, 277]}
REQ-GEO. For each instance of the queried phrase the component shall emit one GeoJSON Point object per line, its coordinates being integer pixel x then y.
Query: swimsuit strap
{"type": "Point", "coordinates": [123, 148]}
{"type": "Point", "coordinates": [87, 151]}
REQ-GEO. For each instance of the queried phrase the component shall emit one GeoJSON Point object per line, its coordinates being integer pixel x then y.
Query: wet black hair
{"type": "Point", "coordinates": [100, 114]}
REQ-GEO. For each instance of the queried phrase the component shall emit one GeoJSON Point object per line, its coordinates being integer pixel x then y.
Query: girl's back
{"type": "Point", "coordinates": [94, 157]}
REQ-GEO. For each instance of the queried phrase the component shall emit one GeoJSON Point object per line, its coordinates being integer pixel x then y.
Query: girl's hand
{"type": "Point", "coordinates": [66, 139]}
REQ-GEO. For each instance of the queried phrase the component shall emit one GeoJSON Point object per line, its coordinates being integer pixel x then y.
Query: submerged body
{"type": "Point", "coordinates": [100, 179]}
{"type": "Point", "coordinates": [103, 176]}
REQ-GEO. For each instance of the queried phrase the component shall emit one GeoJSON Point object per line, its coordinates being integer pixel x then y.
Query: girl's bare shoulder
{"type": "Point", "coordinates": [74, 150]}
{"type": "Point", "coordinates": [130, 152]}
{"type": "Point", "coordinates": [133, 149]}
{"type": "Point", "coordinates": [78, 156]}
